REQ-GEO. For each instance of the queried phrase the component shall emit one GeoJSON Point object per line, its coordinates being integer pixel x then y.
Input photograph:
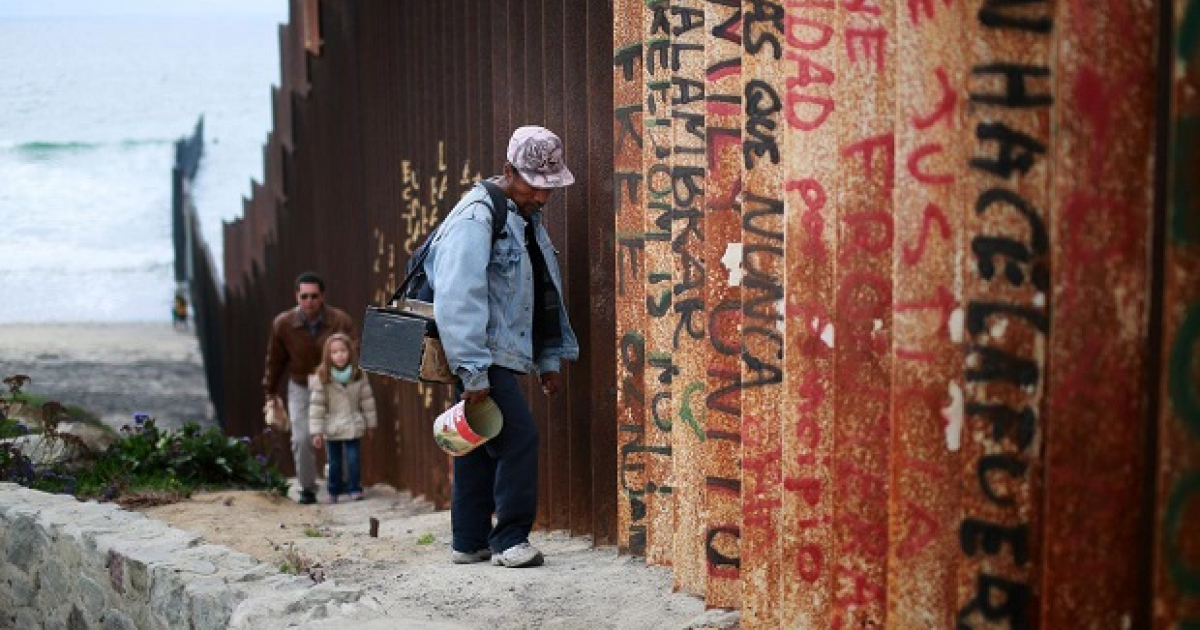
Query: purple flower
{"type": "Point", "coordinates": [22, 428]}
{"type": "Point", "coordinates": [141, 417]}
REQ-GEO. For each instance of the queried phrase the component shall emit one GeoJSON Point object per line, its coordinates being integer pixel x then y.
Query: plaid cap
{"type": "Point", "coordinates": [537, 155]}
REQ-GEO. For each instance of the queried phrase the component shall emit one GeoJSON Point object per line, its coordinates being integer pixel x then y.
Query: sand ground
{"type": "Point", "coordinates": [116, 370]}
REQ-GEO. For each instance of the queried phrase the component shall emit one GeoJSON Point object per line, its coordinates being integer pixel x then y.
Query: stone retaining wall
{"type": "Point", "coordinates": [67, 564]}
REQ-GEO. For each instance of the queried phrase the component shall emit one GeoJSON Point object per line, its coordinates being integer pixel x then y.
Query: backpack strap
{"type": "Point", "coordinates": [499, 206]}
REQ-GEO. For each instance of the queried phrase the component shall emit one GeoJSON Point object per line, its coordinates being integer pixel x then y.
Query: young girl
{"type": "Point", "coordinates": [341, 411]}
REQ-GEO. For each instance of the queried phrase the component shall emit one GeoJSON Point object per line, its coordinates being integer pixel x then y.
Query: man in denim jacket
{"type": "Point", "coordinates": [500, 314]}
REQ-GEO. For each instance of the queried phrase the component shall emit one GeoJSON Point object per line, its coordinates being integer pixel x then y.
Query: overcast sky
{"type": "Point", "coordinates": [96, 8]}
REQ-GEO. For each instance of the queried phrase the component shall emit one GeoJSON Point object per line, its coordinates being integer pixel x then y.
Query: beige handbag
{"type": "Point", "coordinates": [275, 415]}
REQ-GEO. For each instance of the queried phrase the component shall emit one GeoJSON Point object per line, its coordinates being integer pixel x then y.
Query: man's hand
{"type": "Point", "coordinates": [318, 441]}
{"type": "Point", "coordinates": [550, 383]}
{"type": "Point", "coordinates": [476, 396]}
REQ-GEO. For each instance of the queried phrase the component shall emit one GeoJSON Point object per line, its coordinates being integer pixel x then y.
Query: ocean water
{"type": "Point", "coordinates": [93, 96]}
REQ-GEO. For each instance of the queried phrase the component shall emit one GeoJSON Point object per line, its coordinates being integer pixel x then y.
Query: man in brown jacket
{"type": "Point", "coordinates": [297, 337]}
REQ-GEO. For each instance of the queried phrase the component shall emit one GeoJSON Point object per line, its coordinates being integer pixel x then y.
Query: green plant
{"type": "Point", "coordinates": [144, 461]}
{"type": "Point", "coordinates": [312, 532]}
{"type": "Point", "coordinates": [425, 539]}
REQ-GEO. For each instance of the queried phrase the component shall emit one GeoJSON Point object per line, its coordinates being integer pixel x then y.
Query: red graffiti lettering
{"type": "Point", "coordinates": [914, 166]}
{"type": "Point", "coordinates": [809, 489]}
{"type": "Point", "coordinates": [818, 109]}
{"type": "Point", "coordinates": [860, 6]}
{"type": "Point", "coordinates": [855, 588]}
{"type": "Point", "coordinates": [864, 297]}
{"type": "Point", "coordinates": [933, 214]}
{"type": "Point", "coordinates": [942, 300]}
{"type": "Point", "coordinates": [866, 536]}
{"type": "Point", "coordinates": [810, 562]}
{"type": "Point", "coordinates": [807, 72]}
{"type": "Point", "coordinates": [870, 231]}
{"type": "Point", "coordinates": [885, 142]}
{"type": "Point", "coordinates": [921, 356]}
{"type": "Point", "coordinates": [871, 41]}
{"type": "Point", "coordinates": [915, 6]}
{"type": "Point", "coordinates": [944, 108]}
{"type": "Point", "coordinates": [921, 529]}
{"type": "Point", "coordinates": [807, 34]}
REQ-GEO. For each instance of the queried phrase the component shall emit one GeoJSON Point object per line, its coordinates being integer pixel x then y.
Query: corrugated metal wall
{"type": "Point", "coordinates": [889, 310]}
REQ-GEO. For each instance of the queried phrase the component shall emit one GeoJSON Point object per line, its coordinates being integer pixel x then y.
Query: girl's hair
{"type": "Point", "coordinates": [327, 362]}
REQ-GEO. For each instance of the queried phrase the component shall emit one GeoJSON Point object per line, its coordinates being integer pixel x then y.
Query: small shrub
{"type": "Point", "coordinates": [144, 462]}
{"type": "Point", "coordinates": [425, 539]}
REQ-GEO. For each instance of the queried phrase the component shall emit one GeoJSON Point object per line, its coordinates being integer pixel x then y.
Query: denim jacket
{"type": "Point", "coordinates": [486, 319]}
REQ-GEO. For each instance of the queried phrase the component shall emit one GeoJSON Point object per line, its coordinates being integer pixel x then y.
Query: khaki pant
{"type": "Point", "coordinates": [302, 449]}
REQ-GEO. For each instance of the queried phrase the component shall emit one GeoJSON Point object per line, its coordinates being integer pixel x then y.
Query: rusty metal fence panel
{"type": "Point", "coordinates": [889, 309]}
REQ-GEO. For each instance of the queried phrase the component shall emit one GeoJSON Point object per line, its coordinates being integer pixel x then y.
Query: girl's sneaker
{"type": "Point", "coordinates": [356, 496]}
{"type": "Point", "coordinates": [333, 498]}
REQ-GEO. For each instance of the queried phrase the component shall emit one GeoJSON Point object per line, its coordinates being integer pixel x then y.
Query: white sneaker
{"type": "Point", "coordinates": [519, 555]}
{"type": "Point", "coordinates": [464, 557]}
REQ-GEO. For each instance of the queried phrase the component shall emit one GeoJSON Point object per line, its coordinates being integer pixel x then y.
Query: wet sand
{"type": "Point", "coordinates": [112, 370]}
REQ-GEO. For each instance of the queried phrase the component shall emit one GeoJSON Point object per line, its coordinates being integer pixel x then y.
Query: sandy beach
{"type": "Point", "coordinates": [115, 370]}
{"type": "Point", "coordinates": [112, 370]}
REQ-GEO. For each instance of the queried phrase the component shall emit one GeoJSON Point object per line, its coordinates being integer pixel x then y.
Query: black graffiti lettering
{"type": "Point", "coordinates": [662, 306]}
{"type": "Point", "coordinates": [687, 182]}
{"type": "Point", "coordinates": [728, 30]}
{"type": "Point", "coordinates": [762, 104]}
{"type": "Point", "coordinates": [677, 51]}
{"type": "Point", "coordinates": [763, 208]}
{"type": "Point", "coordinates": [716, 558]}
{"type": "Point", "coordinates": [667, 369]}
{"type": "Point", "coordinates": [973, 534]}
{"type": "Point", "coordinates": [1006, 421]}
{"type": "Point", "coordinates": [691, 318]}
{"type": "Point", "coordinates": [998, 365]}
{"type": "Point", "coordinates": [661, 151]}
{"type": "Point", "coordinates": [1006, 463]}
{"type": "Point", "coordinates": [764, 12]}
{"type": "Point", "coordinates": [689, 19]}
{"type": "Point", "coordinates": [978, 313]}
{"type": "Point", "coordinates": [717, 67]}
{"type": "Point", "coordinates": [625, 60]}
{"type": "Point", "coordinates": [693, 125]}
{"type": "Point", "coordinates": [1012, 607]}
{"type": "Point", "coordinates": [624, 116]}
{"type": "Point", "coordinates": [995, 14]}
{"type": "Point", "coordinates": [986, 248]}
{"type": "Point", "coordinates": [658, 92]}
{"type": "Point", "coordinates": [633, 448]}
{"type": "Point", "coordinates": [692, 273]}
{"type": "Point", "coordinates": [765, 372]}
{"type": "Point", "coordinates": [659, 23]}
{"type": "Point", "coordinates": [1015, 151]}
{"type": "Point", "coordinates": [629, 253]}
{"type": "Point", "coordinates": [1039, 239]}
{"type": "Point", "coordinates": [1016, 94]}
{"type": "Point", "coordinates": [637, 538]}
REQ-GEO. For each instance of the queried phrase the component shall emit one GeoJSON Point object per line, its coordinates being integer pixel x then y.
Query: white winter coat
{"type": "Point", "coordinates": [340, 412]}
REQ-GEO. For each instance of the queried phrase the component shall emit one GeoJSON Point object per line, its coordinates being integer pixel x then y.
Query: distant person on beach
{"type": "Point", "coordinates": [500, 312]}
{"type": "Point", "coordinates": [179, 312]}
{"type": "Point", "coordinates": [294, 349]}
{"type": "Point", "coordinates": [341, 412]}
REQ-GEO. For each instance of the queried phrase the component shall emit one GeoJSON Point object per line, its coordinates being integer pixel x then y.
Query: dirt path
{"type": "Point", "coordinates": [116, 370]}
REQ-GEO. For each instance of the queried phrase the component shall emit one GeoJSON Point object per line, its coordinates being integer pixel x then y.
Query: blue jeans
{"type": "Point", "coordinates": [347, 480]}
{"type": "Point", "coordinates": [499, 477]}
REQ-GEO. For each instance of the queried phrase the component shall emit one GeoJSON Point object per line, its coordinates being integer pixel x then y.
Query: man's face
{"type": "Point", "coordinates": [528, 198]}
{"type": "Point", "coordinates": [308, 296]}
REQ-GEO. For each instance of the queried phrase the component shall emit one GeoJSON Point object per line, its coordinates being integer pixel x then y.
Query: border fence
{"type": "Point", "coordinates": [889, 310]}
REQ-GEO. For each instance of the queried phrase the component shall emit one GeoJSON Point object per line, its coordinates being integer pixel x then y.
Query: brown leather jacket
{"type": "Point", "coordinates": [292, 347]}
